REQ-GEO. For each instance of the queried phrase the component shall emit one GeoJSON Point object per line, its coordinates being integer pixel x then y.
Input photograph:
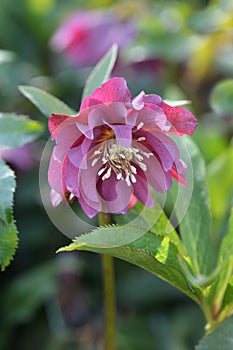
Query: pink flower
{"type": "Point", "coordinates": [86, 36]}
{"type": "Point", "coordinates": [109, 153]}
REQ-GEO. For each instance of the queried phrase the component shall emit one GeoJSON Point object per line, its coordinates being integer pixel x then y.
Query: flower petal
{"type": "Point", "coordinates": [141, 189]}
{"type": "Point", "coordinates": [181, 119]}
{"type": "Point", "coordinates": [114, 90]}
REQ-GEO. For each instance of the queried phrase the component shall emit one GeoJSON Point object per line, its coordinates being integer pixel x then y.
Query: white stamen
{"type": "Point", "coordinates": [101, 171]}
{"type": "Point", "coordinates": [133, 178]}
{"type": "Point", "coordinates": [107, 175]}
{"type": "Point", "coordinates": [119, 176]}
{"type": "Point", "coordinates": [94, 161]}
{"type": "Point", "coordinates": [120, 160]}
{"type": "Point", "coordinates": [140, 125]}
{"type": "Point", "coordinates": [71, 196]}
{"type": "Point", "coordinates": [133, 169]}
{"type": "Point", "coordinates": [141, 139]}
{"type": "Point", "coordinates": [127, 180]}
{"type": "Point", "coordinates": [143, 166]}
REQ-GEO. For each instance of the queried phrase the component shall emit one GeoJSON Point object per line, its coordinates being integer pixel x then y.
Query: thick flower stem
{"type": "Point", "coordinates": [109, 295]}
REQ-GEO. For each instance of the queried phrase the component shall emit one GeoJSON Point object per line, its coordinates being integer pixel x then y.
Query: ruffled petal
{"type": "Point", "coordinates": [56, 178]}
{"type": "Point", "coordinates": [181, 119]}
{"type": "Point", "coordinates": [141, 189]}
{"type": "Point", "coordinates": [114, 90]}
{"type": "Point", "coordinates": [72, 179]}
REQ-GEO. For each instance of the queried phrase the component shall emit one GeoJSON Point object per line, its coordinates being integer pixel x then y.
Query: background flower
{"type": "Point", "coordinates": [85, 36]}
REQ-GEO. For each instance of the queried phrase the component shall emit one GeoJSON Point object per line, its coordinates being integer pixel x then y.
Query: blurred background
{"type": "Point", "coordinates": [177, 49]}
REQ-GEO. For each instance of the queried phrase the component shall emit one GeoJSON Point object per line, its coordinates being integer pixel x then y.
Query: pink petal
{"type": "Point", "coordinates": [56, 175]}
{"type": "Point", "coordinates": [141, 189]}
{"type": "Point", "coordinates": [182, 120]}
{"type": "Point", "coordinates": [114, 90]}
{"type": "Point", "coordinates": [159, 179]}
{"type": "Point", "coordinates": [142, 99]}
{"type": "Point", "coordinates": [72, 178]}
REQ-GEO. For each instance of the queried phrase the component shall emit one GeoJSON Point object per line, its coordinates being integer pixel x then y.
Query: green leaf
{"type": "Point", "coordinates": [225, 263]}
{"type": "Point", "coordinates": [101, 72]}
{"type": "Point", "coordinates": [221, 99]}
{"type": "Point", "coordinates": [7, 189]}
{"type": "Point", "coordinates": [152, 219]}
{"type": "Point", "coordinates": [219, 169]}
{"type": "Point", "coordinates": [219, 339]}
{"type": "Point", "coordinates": [8, 243]}
{"type": "Point", "coordinates": [16, 130]}
{"type": "Point", "coordinates": [195, 227]}
{"type": "Point", "coordinates": [8, 230]}
{"type": "Point", "coordinates": [46, 102]}
{"type": "Point", "coordinates": [152, 252]}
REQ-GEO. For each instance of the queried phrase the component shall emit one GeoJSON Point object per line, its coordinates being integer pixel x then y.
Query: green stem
{"type": "Point", "coordinates": [109, 294]}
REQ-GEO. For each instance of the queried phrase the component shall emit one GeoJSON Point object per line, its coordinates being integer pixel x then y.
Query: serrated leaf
{"type": "Point", "coordinates": [152, 219]}
{"type": "Point", "coordinates": [152, 252]}
{"type": "Point", "coordinates": [7, 189]}
{"type": "Point", "coordinates": [8, 243]}
{"type": "Point", "coordinates": [221, 99]}
{"type": "Point", "coordinates": [16, 130]}
{"type": "Point", "coordinates": [220, 339]}
{"type": "Point", "coordinates": [101, 72]}
{"type": "Point", "coordinates": [195, 227]}
{"type": "Point", "coordinates": [46, 102]}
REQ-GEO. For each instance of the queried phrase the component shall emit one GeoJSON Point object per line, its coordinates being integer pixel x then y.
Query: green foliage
{"type": "Point", "coordinates": [8, 231]}
{"type": "Point", "coordinates": [45, 102]}
{"type": "Point", "coordinates": [101, 72]}
{"type": "Point", "coordinates": [222, 97]}
{"type": "Point", "coordinates": [220, 183]}
{"type": "Point", "coordinates": [219, 339]}
{"type": "Point", "coordinates": [151, 251]}
{"type": "Point", "coordinates": [195, 228]}
{"type": "Point", "coordinates": [16, 130]}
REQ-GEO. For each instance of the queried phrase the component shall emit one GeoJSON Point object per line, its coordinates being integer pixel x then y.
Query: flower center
{"type": "Point", "coordinates": [120, 160]}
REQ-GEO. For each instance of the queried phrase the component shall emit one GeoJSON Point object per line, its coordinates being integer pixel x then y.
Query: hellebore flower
{"type": "Point", "coordinates": [109, 153]}
{"type": "Point", "coordinates": [85, 36]}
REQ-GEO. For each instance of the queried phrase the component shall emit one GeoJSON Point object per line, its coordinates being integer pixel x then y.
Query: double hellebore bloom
{"type": "Point", "coordinates": [109, 153]}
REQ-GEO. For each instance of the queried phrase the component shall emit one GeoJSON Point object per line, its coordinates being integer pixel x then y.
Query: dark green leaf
{"type": "Point", "coordinates": [8, 243]}
{"type": "Point", "coordinates": [8, 230]}
{"type": "Point", "coordinates": [220, 339]}
{"type": "Point", "coordinates": [16, 130]}
{"type": "Point", "coordinates": [7, 188]}
{"type": "Point", "coordinates": [101, 72]}
{"type": "Point", "coordinates": [46, 102]}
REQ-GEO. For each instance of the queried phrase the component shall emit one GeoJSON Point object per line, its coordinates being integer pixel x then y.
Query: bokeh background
{"type": "Point", "coordinates": [177, 49]}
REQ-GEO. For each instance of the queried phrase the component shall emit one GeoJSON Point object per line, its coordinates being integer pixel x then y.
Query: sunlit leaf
{"type": "Point", "coordinates": [8, 230]}
{"type": "Point", "coordinates": [220, 182]}
{"type": "Point", "coordinates": [45, 102]}
{"type": "Point", "coordinates": [195, 226]}
{"type": "Point", "coordinates": [101, 72]}
{"type": "Point", "coordinates": [16, 130]}
{"type": "Point", "coordinates": [7, 188]}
